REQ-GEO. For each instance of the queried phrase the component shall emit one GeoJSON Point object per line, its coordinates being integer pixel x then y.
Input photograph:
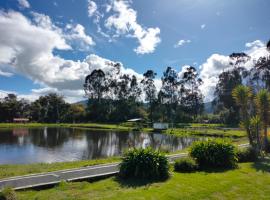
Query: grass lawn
{"type": "Point", "coordinates": [249, 181]}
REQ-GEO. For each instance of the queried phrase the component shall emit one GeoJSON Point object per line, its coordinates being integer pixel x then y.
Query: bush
{"type": "Point", "coordinates": [185, 165]}
{"type": "Point", "coordinates": [8, 194]}
{"type": "Point", "coordinates": [144, 163]}
{"type": "Point", "coordinates": [247, 155]}
{"type": "Point", "coordinates": [214, 153]}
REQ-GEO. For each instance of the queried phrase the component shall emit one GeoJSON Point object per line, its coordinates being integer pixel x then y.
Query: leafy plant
{"type": "Point", "coordinates": [185, 165]}
{"type": "Point", "coordinates": [247, 155]}
{"type": "Point", "coordinates": [144, 163]}
{"type": "Point", "coordinates": [214, 153]}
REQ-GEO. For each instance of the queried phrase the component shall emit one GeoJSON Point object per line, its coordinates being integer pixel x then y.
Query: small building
{"type": "Point", "coordinates": [160, 126]}
{"type": "Point", "coordinates": [20, 120]}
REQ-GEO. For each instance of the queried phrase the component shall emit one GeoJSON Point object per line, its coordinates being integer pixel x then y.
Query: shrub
{"type": "Point", "coordinates": [185, 165]}
{"type": "Point", "coordinates": [247, 155]}
{"type": "Point", "coordinates": [8, 194]}
{"type": "Point", "coordinates": [214, 153]}
{"type": "Point", "coordinates": [144, 163]}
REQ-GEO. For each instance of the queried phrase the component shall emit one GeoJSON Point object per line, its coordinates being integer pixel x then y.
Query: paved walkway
{"type": "Point", "coordinates": [51, 178]}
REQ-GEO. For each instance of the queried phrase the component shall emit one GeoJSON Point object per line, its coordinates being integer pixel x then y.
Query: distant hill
{"type": "Point", "coordinates": [83, 102]}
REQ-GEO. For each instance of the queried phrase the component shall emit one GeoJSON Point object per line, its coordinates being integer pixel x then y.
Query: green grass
{"type": "Point", "coordinates": [249, 181]}
{"type": "Point", "coordinates": [210, 132]}
{"type": "Point", "coordinates": [24, 169]}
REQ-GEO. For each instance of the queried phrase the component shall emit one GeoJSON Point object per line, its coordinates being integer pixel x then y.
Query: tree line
{"type": "Point", "coordinates": [50, 108]}
{"type": "Point", "coordinates": [117, 97]}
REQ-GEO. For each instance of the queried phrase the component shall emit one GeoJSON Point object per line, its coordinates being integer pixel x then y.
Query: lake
{"type": "Point", "coordinates": [47, 145]}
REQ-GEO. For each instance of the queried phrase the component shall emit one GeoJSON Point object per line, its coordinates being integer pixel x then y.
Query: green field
{"type": "Point", "coordinates": [249, 181]}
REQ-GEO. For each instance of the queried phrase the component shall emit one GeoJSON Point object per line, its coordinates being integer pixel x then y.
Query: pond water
{"type": "Point", "coordinates": [34, 145]}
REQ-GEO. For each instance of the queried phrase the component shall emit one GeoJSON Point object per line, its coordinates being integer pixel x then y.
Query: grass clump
{"type": "Point", "coordinates": [214, 154]}
{"type": "Point", "coordinates": [185, 165]}
{"type": "Point", "coordinates": [8, 194]}
{"type": "Point", "coordinates": [144, 163]}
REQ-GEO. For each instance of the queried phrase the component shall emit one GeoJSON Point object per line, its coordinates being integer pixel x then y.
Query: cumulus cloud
{"type": "Point", "coordinates": [34, 58]}
{"type": "Point", "coordinates": [24, 3]}
{"type": "Point", "coordinates": [122, 20]}
{"type": "Point", "coordinates": [78, 36]}
{"type": "Point", "coordinates": [181, 43]}
{"type": "Point", "coordinates": [92, 8]}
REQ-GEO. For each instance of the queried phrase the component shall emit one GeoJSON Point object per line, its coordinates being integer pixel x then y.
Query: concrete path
{"type": "Point", "coordinates": [51, 178]}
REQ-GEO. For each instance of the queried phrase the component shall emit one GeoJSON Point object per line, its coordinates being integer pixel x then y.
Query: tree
{"type": "Point", "coordinates": [260, 73]}
{"type": "Point", "coordinates": [50, 108]}
{"type": "Point", "coordinates": [77, 113]}
{"type": "Point", "coordinates": [262, 101]}
{"type": "Point", "coordinates": [11, 107]}
{"type": "Point", "coordinates": [227, 81]}
{"type": "Point", "coordinates": [193, 96]}
{"type": "Point", "coordinates": [150, 90]}
{"type": "Point", "coordinates": [242, 96]}
{"type": "Point", "coordinates": [168, 93]}
{"type": "Point", "coordinates": [95, 85]}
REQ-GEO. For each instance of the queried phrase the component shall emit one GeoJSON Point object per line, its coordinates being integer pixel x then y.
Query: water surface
{"type": "Point", "coordinates": [34, 145]}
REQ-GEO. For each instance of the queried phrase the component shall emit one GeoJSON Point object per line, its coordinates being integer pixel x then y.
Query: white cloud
{"type": "Point", "coordinates": [34, 58]}
{"type": "Point", "coordinates": [203, 26]}
{"type": "Point", "coordinates": [24, 3]}
{"type": "Point", "coordinates": [181, 43]}
{"type": "Point", "coordinates": [209, 73]}
{"type": "Point", "coordinates": [77, 35]}
{"type": "Point", "coordinates": [124, 22]}
{"type": "Point", "coordinates": [92, 8]}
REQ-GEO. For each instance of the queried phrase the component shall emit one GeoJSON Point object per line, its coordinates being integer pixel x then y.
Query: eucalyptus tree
{"type": "Point", "coordinates": [150, 90]}
{"type": "Point", "coordinates": [96, 87]}
{"type": "Point", "coordinates": [193, 96]}
{"type": "Point", "coordinates": [168, 93]}
{"type": "Point", "coordinates": [227, 81]}
{"type": "Point", "coordinates": [261, 71]}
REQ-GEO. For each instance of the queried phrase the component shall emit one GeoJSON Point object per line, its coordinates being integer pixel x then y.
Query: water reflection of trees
{"type": "Point", "coordinates": [49, 137]}
{"type": "Point", "coordinates": [98, 143]}
{"type": "Point", "coordinates": [105, 144]}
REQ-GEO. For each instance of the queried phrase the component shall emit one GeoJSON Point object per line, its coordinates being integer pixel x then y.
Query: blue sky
{"type": "Point", "coordinates": [183, 32]}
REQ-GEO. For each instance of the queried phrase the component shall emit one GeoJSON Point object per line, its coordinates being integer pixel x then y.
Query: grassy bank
{"type": "Point", "coordinates": [182, 130]}
{"type": "Point", "coordinates": [210, 132]}
{"type": "Point", "coordinates": [24, 169]}
{"type": "Point", "coordinates": [85, 125]}
{"type": "Point", "coordinates": [249, 181]}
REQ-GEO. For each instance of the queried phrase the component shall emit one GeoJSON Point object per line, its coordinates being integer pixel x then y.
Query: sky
{"type": "Point", "coordinates": [50, 46]}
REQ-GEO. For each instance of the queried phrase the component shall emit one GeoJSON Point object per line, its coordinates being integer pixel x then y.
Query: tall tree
{"type": "Point", "coordinates": [95, 85]}
{"type": "Point", "coordinates": [193, 95]}
{"type": "Point", "coordinates": [150, 90]}
{"type": "Point", "coordinates": [168, 93]}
